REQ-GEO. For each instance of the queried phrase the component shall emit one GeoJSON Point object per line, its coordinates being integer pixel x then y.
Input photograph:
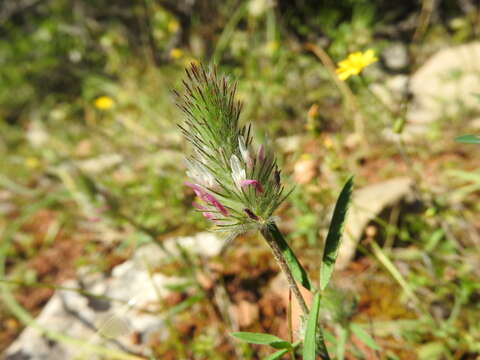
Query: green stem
{"type": "Point", "coordinates": [277, 243]}
{"type": "Point", "coordinates": [284, 255]}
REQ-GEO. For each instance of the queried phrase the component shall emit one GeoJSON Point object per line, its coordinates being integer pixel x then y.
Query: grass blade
{"type": "Point", "coordinates": [468, 139]}
{"type": "Point", "coordinates": [334, 236]}
{"type": "Point", "coordinates": [277, 355]}
{"type": "Point", "coordinates": [294, 265]}
{"type": "Point", "coordinates": [311, 336]}
{"type": "Point", "coordinates": [364, 336]}
{"type": "Point", "coordinates": [262, 339]}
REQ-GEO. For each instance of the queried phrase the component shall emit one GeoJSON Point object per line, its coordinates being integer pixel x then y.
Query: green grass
{"type": "Point", "coordinates": [112, 179]}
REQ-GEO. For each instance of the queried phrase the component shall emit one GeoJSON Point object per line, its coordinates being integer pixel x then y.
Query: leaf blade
{"type": "Point", "coordinates": [332, 243]}
{"type": "Point", "coordinates": [272, 233]}
{"type": "Point", "coordinates": [364, 336]}
{"type": "Point", "coordinates": [310, 341]}
{"type": "Point", "coordinates": [276, 355]}
{"type": "Point", "coordinates": [468, 139]}
{"type": "Point", "coordinates": [262, 339]}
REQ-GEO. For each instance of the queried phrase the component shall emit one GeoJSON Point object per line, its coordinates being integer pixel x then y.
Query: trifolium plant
{"type": "Point", "coordinates": [238, 185]}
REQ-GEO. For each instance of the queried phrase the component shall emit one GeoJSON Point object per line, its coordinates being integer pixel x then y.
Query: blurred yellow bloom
{"type": "Point", "coordinates": [328, 143]}
{"type": "Point", "coordinates": [272, 46]}
{"type": "Point", "coordinates": [173, 26]}
{"type": "Point", "coordinates": [32, 162]}
{"type": "Point", "coordinates": [313, 111]}
{"type": "Point", "coordinates": [188, 62]}
{"type": "Point", "coordinates": [104, 103]}
{"type": "Point", "coordinates": [355, 63]}
{"type": "Point", "coordinates": [176, 53]}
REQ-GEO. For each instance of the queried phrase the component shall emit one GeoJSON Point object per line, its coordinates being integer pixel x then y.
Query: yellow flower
{"type": "Point", "coordinates": [104, 103]}
{"type": "Point", "coordinates": [355, 63]}
{"type": "Point", "coordinates": [32, 162]}
{"type": "Point", "coordinates": [188, 62]}
{"type": "Point", "coordinates": [272, 46]}
{"type": "Point", "coordinates": [173, 26]}
{"type": "Point", "coordinates": [313, 111]}
{"type": "Point", "coordinates": [176, 53]}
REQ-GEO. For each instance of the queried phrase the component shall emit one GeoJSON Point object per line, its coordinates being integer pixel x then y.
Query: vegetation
{"type": "Point", "coordinates": [92, 168]}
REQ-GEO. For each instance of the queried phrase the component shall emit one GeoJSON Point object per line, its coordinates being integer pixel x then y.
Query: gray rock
{"type": "Point", "coordinates": [105, 322]}
{"type": "Point", "coordinates": [391, 91]}
{"type": "Point", "coordinates": [396, 56]}
{"type": "Point", "coordinates": [367, 203]}
{"type": "Point", "coordinates": [445, 84]}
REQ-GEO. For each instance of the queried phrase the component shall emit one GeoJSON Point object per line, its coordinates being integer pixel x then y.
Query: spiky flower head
{"type": "Point", "coordinates": [238, 185]}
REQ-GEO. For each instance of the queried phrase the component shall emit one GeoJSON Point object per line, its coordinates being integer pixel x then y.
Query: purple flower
{"type": "Point", "coordinates": [258, 187]}
{"type": "Point", "coordinates": [204, 211]}
{"type": "Point", "coordinates": [208, 198]}
{"type": "Point", "coordinates": [250, 214]}
{"type": "Point", "coordinates": [261, 153]}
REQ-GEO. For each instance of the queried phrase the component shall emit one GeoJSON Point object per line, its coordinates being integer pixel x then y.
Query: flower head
{"type": "Point", "coordinates": [355, 63]}
{"type": "Point", "coordinates": [237, 183]}
{"type": "Point", "coordinates": [176, 53]}
{"type": "Point", "coordinates": [104, 103]}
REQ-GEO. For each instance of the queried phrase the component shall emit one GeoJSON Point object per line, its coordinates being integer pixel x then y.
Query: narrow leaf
{"type": "Point", "coordinates": [271, 232]}
{"type": "Point", "coordinates": [262, 339]}
{"type": "Point", "coordinates": [310, 345]}
{"type": "Point", "coordinates": [468, 139]}
{"type": "Point", "coordinates": [364, 336]}
{"type": "Point", "coordinates": [332, 244]}
{"type": "Point", "coordinates": [276, 355]}
{"type": "Point", "coordinates": [342, 342]}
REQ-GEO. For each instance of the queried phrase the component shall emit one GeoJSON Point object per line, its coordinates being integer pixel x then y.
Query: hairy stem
{"type": "Point", "coordinates": [277, 243]}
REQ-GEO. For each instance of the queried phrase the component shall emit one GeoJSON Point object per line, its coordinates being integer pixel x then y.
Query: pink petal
{"type": "Point", "coordinates": [196, 188]}
{"type": "Point", "coordinates": [204, 211]}
{"type": "Point", "coordinates": [208, 198]}
{"type": "Point", "coordinates": [254, 183]}
{"type": "Point", "coordinates": [198, 206]}
{"type": "Point", "coordinates": [209, 215]}
{"type": "Point", "coordinates": [261, 153]}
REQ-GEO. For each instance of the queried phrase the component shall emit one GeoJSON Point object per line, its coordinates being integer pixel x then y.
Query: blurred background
{"type": "Point", "coordinates": [92, 169]}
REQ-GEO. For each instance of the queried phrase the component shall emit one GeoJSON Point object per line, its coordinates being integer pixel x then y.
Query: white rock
{"type": "Point", "coordinates": [100, 163]}
{"type": "Point", "coordinates": [396, 56]}
{"type": "Point", "coordinates": [97, 321]}
{"type": "Point", "coordinates": [445, 84]}
{"type": "Point", "coordinates": [367, 203]}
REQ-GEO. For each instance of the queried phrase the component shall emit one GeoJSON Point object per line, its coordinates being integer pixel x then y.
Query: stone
{"type": "Point", "coordinates": [445, 85]}
{"type": "Point", "coordinates": [305, 169]}
{"type": "Point", "coordinates": [391, 91]}
{"type": "Point", "coordinates": [367, 203]}
{"type": "Point", "coordinates": [100, 163]}
{"type": "Point", "coordinates": [395, 56]}
{"type": "Point", "coordinates": [113, 324]}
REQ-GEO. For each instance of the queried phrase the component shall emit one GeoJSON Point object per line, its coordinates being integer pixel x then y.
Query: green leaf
{"type": "Point", "coordinates": [271, 233]}
{"type": "Point", "coordinates": [277, 355]}
{"type": "Point", "coordinates": [364, 336]}
{"type": "Point", "coordinates": [468, 139]}
{"type": "Point", "coordinates": [262, 339]}
{"type": "Point", "coordinates": [342, 341]}
{"type": "Point", "coordinates": [310, 340]}
{"type": "Point", "coordinates": [332, 244]}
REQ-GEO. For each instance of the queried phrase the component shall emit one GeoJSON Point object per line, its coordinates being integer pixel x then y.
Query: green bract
{"type": "Point", "coordinates": [238, 185]}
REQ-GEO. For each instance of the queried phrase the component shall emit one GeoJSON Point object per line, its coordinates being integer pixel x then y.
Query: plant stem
{"type": "Point", "coordinates": [277, 243]}
{"type": "Point", "coordinates": [280, 249]}
{"type": "Point", "coordinates": [352, 103]}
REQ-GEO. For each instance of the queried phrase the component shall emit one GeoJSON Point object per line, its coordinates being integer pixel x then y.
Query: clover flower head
{"type": "Point", "coordinates": [355, 63]}
{"type": "Point", "coordinates": [238, 184]}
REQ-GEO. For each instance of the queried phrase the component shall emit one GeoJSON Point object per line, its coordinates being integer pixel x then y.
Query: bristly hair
{"type": "Point", "coordinates": [239, 186]}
